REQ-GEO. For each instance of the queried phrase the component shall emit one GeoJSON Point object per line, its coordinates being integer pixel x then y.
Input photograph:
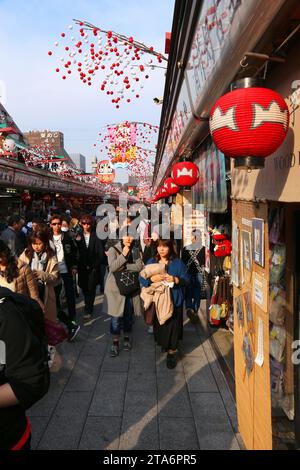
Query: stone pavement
{"type": "Point", "coordinates": [133, 401]}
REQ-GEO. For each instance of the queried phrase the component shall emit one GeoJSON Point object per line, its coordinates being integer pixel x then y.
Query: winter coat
{"type": "Point", "coordinates": [152, 269]}
{"type": "Point", "coordinates": [90, 260]}
{"type": "Point", "coordinates": [114, 302]}
{"type": "Point", "coordinates": [51, 278]}
{"type": "Point", "coordinates": [24, 367]}
{"type": "Point", "coordinates": [160, 294]}
{"type": "Point", "coordinates": [174, 268]}
{"type": "Point", "coordinates": [70, 250]}
{"type": "Point", "coordinates": [9, 236]}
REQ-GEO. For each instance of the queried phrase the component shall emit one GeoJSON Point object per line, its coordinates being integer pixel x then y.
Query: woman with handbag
{"type": "Point", "coordinates": [44, 265]}
{"type": "Point", "coordinates": [122, 291]}
{"type": "Point", "coordinates": [168, 334]}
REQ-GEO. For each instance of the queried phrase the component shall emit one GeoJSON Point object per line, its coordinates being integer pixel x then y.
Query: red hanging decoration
{"type": "Point", "coordinates": [171, 187]}
{"type": "Point", "coordinates": [185, 174]}
{"type": "Point", "coordinates": [249, 124]}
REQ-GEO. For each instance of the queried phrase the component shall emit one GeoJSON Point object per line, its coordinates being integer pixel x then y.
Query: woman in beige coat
{"type": "Point", "coordinates": [43, 262]}
{"type": "Point", "coordinates": [121, 256]}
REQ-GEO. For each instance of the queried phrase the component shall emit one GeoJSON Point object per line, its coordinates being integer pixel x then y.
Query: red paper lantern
{"type": "Point", "coordinates": [26, 197]}
{"type": "Point", "coordinates": [46, 198]}
{"type": "Point", "coordinates": [185, 174]}
{"type": "Point", "coordinates": [171, 187]}
{"type": "Point", "coordinates": [249, 122]}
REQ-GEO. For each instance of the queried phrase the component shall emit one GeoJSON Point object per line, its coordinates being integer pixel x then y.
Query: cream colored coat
{"type": "Point", "coordinates": [51, 278]}
{"type": "Point", "coordinates": [160, 294]}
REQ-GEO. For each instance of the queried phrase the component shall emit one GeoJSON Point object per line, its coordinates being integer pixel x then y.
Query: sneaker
{"type": "Point", "coordinates": [114, 350]}
{"type": "Point", "coordinates": [192, 315]}
{"type": "Point", "coordinates": [126, 344]}
{"type": "Point", "coordinates": [171, 361]}
{"type": "Point", "coordinates": [51, 354]}
{"type": "Point", "coordinates": [73, 332]}
{"type": "Point", "coordinates": [150, 330]}
{"type": "Point", "coordinates": [87, 316]}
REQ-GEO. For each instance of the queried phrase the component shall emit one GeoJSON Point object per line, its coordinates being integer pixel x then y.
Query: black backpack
{"type": "Point", "coordinates": [31, 311]}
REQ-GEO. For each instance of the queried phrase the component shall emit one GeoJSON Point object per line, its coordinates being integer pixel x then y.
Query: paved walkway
{"type": "Point", "coordinates": [133, 401]}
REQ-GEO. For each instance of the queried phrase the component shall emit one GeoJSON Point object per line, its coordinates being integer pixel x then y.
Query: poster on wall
{"type": "Point", "coordinates": [258, 241]}
{"type": "Point", "coordinates": [246, 250]}
{"type": "Point", "coordinates": [235, 256]}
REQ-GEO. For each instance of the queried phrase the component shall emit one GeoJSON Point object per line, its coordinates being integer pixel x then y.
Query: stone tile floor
{"type": "Point", "coordinates": [133, 401]}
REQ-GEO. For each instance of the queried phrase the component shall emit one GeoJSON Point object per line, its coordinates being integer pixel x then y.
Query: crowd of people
{"type": "Point", "coordinates": [44, 262]}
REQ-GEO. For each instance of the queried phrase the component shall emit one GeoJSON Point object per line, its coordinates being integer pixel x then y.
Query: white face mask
{"type": "Point", "coordinates": [64, 229]}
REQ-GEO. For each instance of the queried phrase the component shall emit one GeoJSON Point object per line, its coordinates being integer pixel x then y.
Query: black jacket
{"type": "Point", "coordinates": [90, 260]}
{"type": "Point", "coordinates": [24, 366]}
{"type": "Point", "coordinates": [70, 251]}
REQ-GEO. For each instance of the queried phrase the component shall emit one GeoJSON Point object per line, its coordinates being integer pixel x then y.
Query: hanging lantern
{"type": "Point", "coordinates": [46, 198]}
{"type": "Point", "coordinates": [171, 187]}
{"type": "Point", "coordinates": [249, 123]}
{"type": "Point", "coordinates": [26, 197]}
{"type": "Point", "coordinates": [185, 174]}
{"type": "Point", "coordinates": [164, 193]}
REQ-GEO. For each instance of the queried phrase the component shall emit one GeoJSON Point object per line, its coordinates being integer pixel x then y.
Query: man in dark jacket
{"type": "Point", "coordinates": [67, 256]}
{"type": "Point", "coordinates": [91, 258]}
{"type": "Point", "coordinates": [12, 236]}
{"type": "Point", "coordinates": [24, 373]}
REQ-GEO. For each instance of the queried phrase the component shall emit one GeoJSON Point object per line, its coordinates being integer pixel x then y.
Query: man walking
{"type": "Point", "coordinates": [67, 256]}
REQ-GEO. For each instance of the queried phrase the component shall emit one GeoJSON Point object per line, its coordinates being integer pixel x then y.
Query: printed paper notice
{"type": "Point", "coordinates": [259, 360]}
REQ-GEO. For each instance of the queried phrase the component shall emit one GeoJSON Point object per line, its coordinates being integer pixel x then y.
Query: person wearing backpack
{"type": "Point", "coordinates": [24, 372]}
{"type": "Point", "coordinates": [193, 257]}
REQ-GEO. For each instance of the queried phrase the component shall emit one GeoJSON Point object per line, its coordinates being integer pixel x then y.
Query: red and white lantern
{"type": "Point", "coordinates": [249, 124]}
{"type": "Point", "coordinates": [185, 174]}
{"type": "Point", "coordinates": [171, 187]}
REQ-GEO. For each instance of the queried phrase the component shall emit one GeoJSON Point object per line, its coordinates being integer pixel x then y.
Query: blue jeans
{"type": "Point", "coordinates": [192, 292]}
{"type": "Point", "coordinates": [125, 322]}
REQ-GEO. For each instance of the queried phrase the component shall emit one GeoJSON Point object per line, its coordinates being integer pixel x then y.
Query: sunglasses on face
{"type": "Point", "coordinates": [85, 223]}
{"type": "Point", "coordinates": [56, 223]}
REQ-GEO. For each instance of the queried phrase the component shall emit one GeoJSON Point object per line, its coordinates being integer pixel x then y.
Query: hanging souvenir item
{"type": "Point", "coordinates": [105, 172]}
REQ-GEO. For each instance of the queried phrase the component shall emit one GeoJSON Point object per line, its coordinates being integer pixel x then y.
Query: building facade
{"type": "Point", "coordinates": [79, 160]}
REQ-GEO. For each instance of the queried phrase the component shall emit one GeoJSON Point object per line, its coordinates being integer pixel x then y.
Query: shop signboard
{"type": "Point", "coordinates": [212, 32]}
{"type": "Point", "coordinates": [29, 180]}
{"type": "Point", "coordinates": [194, 220]}
{"type": "Point", "coordinates": [211, 190]}
{"type": "Point", "coordinates": [6, 175]}
{"type": "Point", "coordinates": [180, 119]}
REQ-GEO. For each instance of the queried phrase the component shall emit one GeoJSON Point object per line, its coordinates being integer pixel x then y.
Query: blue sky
{"type": "Point", "coordinates": [37, 98]}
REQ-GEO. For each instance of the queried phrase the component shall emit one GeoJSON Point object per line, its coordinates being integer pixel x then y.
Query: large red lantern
{"type": "Point", "coordinates": [105, 172]}
{"type": "Point", "coordinates": [171, 187]}
{"type": "Point", "coordinates": [185, 174]}
{"type": "Point", "coordinates": [26, 197]}
{"type": "Point", "coordinates": [46, 198]}
{"type": "Point", "coordinates": [249, 124]}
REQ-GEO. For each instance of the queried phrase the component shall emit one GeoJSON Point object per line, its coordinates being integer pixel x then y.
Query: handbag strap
{"type": "Point", "coordinates": [122, 268]}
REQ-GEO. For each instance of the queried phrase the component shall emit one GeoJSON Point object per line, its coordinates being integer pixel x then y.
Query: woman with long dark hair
{"type": "Point", "coordinates": [121, 308]}
{"type": "Point", "coordinates": [17, 275]}
{"type": "Point", "coordinates": [168, 334]}
{"type": "Point", "coordinates": [44, 265]}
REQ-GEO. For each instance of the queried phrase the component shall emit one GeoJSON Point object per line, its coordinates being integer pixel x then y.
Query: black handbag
{"type": "Point", "coordinates": [127, 281]}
